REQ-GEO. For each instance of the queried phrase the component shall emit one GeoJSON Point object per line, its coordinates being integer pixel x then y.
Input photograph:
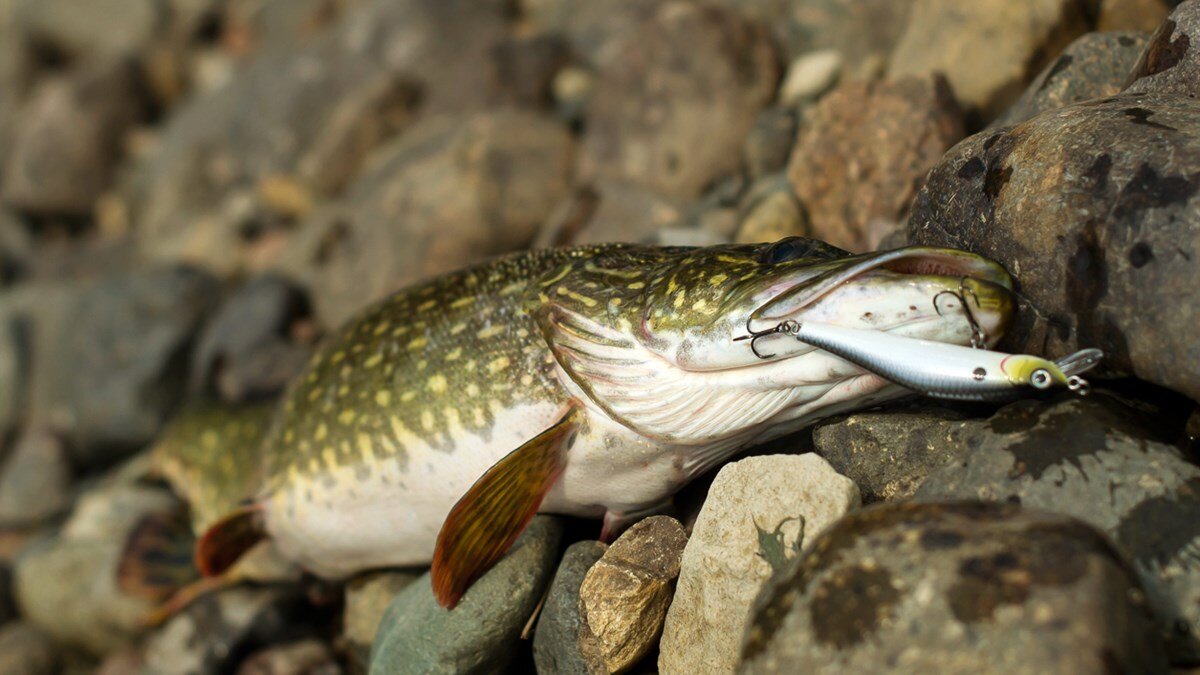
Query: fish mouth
{"type": "Point", "coordinates": [903, 289]}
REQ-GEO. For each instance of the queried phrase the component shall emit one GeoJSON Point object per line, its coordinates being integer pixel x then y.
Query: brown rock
{"type": "Point", "coordinates": [1132, 14]}
{"type": "Point", "coordinates": [68, 140]}
{"type": "Point", "coordinates": [863, 152]}
{"type": "Point", "coordinates": [452, 191]}
{"type": "Point", "coordinates": [987, 49]}
{"type": "Point", "coordinates": [624, 597]}
{"type": "Point", "coordinates": [770, 212]}
{"type": "Point", "coordinates": [367, 598]}
{"type": "Point", "coordinates": [672, 110]}
{"type": "Point", "coordinates": [1171, 62]}
{"type": "Point", "coordinates": [609, 211]}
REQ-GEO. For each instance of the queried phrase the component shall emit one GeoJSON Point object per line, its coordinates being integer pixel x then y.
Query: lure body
{"type": "Point", "coordinates": [943, 370]}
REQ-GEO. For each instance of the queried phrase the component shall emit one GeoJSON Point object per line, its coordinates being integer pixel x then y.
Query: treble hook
{"type": "Point", "coordinates": [788, 327]}
{"type": "Point", "coordinates": [978, 337]}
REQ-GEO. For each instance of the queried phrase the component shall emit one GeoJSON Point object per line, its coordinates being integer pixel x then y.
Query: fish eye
{"type": "Point", "coordinates": [1040, 379]}
{"type": "Point", "coordinates": [786, 249]}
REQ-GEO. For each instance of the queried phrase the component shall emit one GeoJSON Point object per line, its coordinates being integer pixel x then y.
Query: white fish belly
{"type": "Point", "coordinates": [350, 519]}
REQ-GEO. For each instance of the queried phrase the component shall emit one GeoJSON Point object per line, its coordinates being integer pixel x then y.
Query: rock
{"type": "Point", "coordinates": [758, 514]}
{"type": "Point", "coordinates": [88, 29]}
{"type": "Point", "coordinates": [863, 151]}
{"type": "Point", "coordinates": [1132, 14]}
{"type": "Point", "coordinates": [35, 480]}
{"type": "Point", "coordinates": [8, 602]}
{"type": "Point", "coordinates": [308, 116]}
{"type": "Point", "coordinates": [889, 455]}
{"type": "Point", "coordinates": [309, 657]}
{"type": "Point", "coordinates": [556, 644]}
{"type": "Point", "coordinates": [954, 587]}
{"type": "Point", "coordinates": [653, 118]}
{"type": "Point", "coordinates": [453, 191]}
{"type": "Point", "coordinates": [526, 68]}
{"type": "Point", "coordinates": [624, 596]}
{"type": "Point", "coordinates": [809, 76]}
{"type": "Point", "coordinates": [1094, 66]}
{"type": "Point", "coordinates": [212, 633]}
{"type": "Point", "coordinates": [1170, 64]}
{"type": "Point", "coordinates": [16, 247]}
{"type": "Point", "coordinates": [769, 143]}
{"type": "Point", "coordinates": [110, 358]}
{"type": "Point", "coordinates": [1093, 207]}
{"type": "Point", "coordinates": [367, 598]}
{"type": "Point", "coordinates": [14, 364]}
{"type": "Point", "coordinates": [248, 349]}
{"type": "Point", "coordinates": [770, 212]}
{"type": "Point", "coordinates": [481, 634]}
{"type": "Point", "coordinates": [864, 32]}
{"type": "Point", "coordinates": [66, 585]}
{"type": "Point", "coordinates": [280, 24]}
{"type": "Point", "coordinates": [24, 650]}
{"type": "Point", "coordinates": [594, 30]}
{"type": "Point", "coordinates": [609, 211]}
{"type": "Point", "coordinates": [988, 49]}
{"type": "Point", "coordinates": [1094, 459]}
{"type": "Point", "coordinates": [68, 139]}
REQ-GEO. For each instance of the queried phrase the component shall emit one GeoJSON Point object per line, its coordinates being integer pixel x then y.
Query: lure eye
{"type": "Point", "coordinates": [1040, 379]}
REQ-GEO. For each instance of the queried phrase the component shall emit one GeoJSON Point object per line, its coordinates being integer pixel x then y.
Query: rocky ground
{"type": "Point", "coordinates": [193, 191]}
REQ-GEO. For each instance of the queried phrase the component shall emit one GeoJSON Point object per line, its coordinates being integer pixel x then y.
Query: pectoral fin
{"type": "Point", "coordinates": [157, 560]}
{"type": "Point", "coordinates": [492, 514]}
{"type": "Point", "coordinates": [228, 539]}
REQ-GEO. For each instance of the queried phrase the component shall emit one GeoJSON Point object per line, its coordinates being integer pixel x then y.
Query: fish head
{"type": "Point", "coordinates": [658, 336]}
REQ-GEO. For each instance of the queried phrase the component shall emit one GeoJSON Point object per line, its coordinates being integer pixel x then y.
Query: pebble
{"type": "Point", "coordinates": [557, 642]}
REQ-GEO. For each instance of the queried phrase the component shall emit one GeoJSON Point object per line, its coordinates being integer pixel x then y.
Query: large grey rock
{"type": "Point", "coordinates": [654, 119]}
{"type": "Point", "coordinates": [987, 49]}
{"type": "Point", "coordinates": [68, 139]}
{"type": "Point", "coordinates": [958, 587]}
{"type": "Point", "coordinates": [624, 596]}
{"type": "Point", "coordinates": [110, 358]}
{"type": "Point", "coordinates": [1171, 62]}
{"type": "Point", "coordinates": [1094, 459]}
{"type": "Point", "coordinates": [1094, 208]}
{"type": "Point", "coordinates": [863, 151]}
{"type": "Point", "coordinates": [557, 642]}
{"type": "Point", "coordinates": [758, 513]}
{"type": "Point", "coordinates": [66, 585]}
{"type": "Point", "coordinates": [451, 192]}
{"type": "Point", "coordinates": [481, 634]}
{"type": "Point", "coordinates": [1094, 66]}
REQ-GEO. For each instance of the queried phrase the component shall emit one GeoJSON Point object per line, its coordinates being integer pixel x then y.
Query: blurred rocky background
{"type": "Point", "coordinates": [193, 191]}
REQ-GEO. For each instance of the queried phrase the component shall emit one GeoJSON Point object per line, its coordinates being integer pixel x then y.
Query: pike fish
{"type": "Point", "coordinates": [593, 381]}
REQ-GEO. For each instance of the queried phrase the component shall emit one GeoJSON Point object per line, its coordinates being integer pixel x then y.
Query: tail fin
{"type": "Point", "coordinates": [228, 539]}
{"type": "Point", "coordinates": [157, 560]}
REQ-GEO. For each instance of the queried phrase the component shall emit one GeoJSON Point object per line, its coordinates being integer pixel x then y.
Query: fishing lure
{"type": "Point", "coordinates": [941, 370]}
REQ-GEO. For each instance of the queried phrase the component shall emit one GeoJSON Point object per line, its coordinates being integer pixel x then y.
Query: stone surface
{"type": "Point", "coordinates": [1094, 208]}
{"type": "Point", "coordinates": [556, 644]}
{"type": "Point", "coordinates": [624, 596]}
{"type": "Point", "coordinates": [68, 139]}
{"type": "Point", "coordinates": [24, 650]}
{"type": "Point", "coordinates": [609, 211]}
{"type": "Point", "coordinates": [16, 247]}
{"type": "Point", "coordinates": [959, 587]}
{"type": "Point", "coordinates": [249, 349]}
{"type": "Point", "coordinates": [1104, 463]}
{"type": "Point", "coordinates": [769, 143]}
{"type": "Point", "coordinates": [211, 634]}
{"type": "Point", "coordinates": [308, 116]}
{"type": "Point", "coordinates": [14, 364]}
{"type": "Point", "coordinates": [452, 192]}
{"type": "Point", "coordinates": [758, 514]}
{"type": "Point", "coordinates": [1171, 62]}
{"type": "Point", "coordinates": [66, 585]}
{"type": "Point", "coordinates": [1132, 14]}
{"type": "Point", "coordinates": [481, 634]}
{"type": "Point", "coordinates": [595, 30]}
{"type": "Point", "coordinates": [809, 76]}
{"type": "Point", "coordinates": [35, 480]}
{"type": "Point", "coordinates": [889, 455]}
{"type": "Point", "coordinates": [864, 32]}
{"type": "Point", "coordinates": [653, 118]}
{"type": "Point", "coordinates": [987, 49]}
{"type": "Point", "coordinates": [863, 152]}
{"type": "Point", "coordinates": [109, 360]}
{"type": "Point", "coordinates": [85, 29]}
{"type": "Point", "coordinates": [307, 657]}
{"type": "Point", "coordinates": [1094, 66]}
{"type": "Point", "coordinates": [367, 598]}
{"type": "Point", "coordinates": [770, 212]}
